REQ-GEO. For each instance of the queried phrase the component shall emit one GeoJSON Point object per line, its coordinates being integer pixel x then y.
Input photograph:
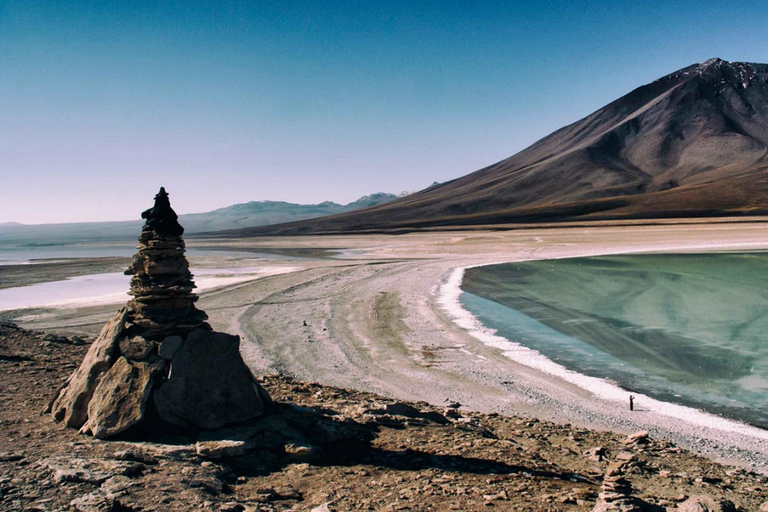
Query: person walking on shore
{"type": "Point", "coordinates": [631, 402]}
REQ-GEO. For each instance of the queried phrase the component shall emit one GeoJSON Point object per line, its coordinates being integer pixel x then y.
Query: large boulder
{"type": "Point", "coordinates": [209, 385]}
{"type": "Point", "coordinates": [120, 399]}
{"type": "Point", "coordinates": [70, 405]}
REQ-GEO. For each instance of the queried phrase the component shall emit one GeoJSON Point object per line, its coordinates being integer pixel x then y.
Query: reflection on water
{"type": "Point", "coordinates": [690, 328]}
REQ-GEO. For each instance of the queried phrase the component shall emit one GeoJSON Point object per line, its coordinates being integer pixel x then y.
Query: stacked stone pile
{"type": "Point", "coordinates": [616, 490]}
{"type": "Point", "coordinates": [162, 283]}
{"type": "Point", "coordinates": [157, 359]}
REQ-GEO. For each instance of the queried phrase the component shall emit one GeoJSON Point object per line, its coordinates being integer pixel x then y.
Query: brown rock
{"type": "Point", "coordinates": [209, 385]}
{"type": "Point", "coordinates": [640, 437]}
{"type": "Point", "coordinates": [74, 469]}
{"type": "Point", "coordinates": [703, 503]}
{"type": "Point", "coordinates": [216, 449]}
{"type": "Point", "coordinates": [136, 348]}
{"type": "Point", "coordinates": [120, 399]}
{"type": "Point", "coordinates": [301, 449]}
{"type": "Point", "coordinates": [93, 502]}
{"type": "Point", "coordinates": [71, 403]}
{"type": "Point", "coordinates": [617, 506]}
{"type": "Point", "coordinates": [117, 486]}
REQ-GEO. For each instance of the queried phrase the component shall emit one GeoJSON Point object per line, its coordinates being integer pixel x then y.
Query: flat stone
{"type": "Point", "coordinates": [167, 266]}
{"type": "Point", "coordinates": [91, 471]}
{"type": "Point", "coordinates": [301, 449]}
{"type": "Point", "coordinates": [611, 496]}
{"type": "Point", "coordinates": [620, 505]}
{"type": "Point", "coordinates": [222, 448]}
{"type": "Point", "coordinates": [74, 469]}
{"type": "Point", "coordinates": [638, 437]}
{"type": "Point", "coordinates": [120, 399]}
{"type": "Point", "coordinates": [70, 405]}
{"type": "Point", "coordinates": [117, 486]}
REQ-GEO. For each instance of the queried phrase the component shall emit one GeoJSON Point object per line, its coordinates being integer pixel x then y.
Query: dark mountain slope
{"type": "Point", "coordinates": [692, 143]}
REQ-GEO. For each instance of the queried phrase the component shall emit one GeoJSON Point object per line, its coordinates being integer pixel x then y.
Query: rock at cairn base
{"type": "Point", "coordinates": [157, 354]}
{"type": "Point", "coordinates": [210, 385]}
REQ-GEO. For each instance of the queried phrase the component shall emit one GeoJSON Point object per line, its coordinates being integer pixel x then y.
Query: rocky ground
{"type": "Point", "coordinates": [328, 449]}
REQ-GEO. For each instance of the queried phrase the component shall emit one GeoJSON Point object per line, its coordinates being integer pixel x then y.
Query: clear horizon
{"type": "Point", "coordinates": [231, 102]}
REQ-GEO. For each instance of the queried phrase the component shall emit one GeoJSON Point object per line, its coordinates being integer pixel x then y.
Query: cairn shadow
{"type": "Point", "coordinates": [289, 435]}
{"type": "Point", "coordinates": [415, 460]}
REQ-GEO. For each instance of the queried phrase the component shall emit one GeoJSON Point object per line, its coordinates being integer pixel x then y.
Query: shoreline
{"type": "Point", "coordinates": [450, 299]}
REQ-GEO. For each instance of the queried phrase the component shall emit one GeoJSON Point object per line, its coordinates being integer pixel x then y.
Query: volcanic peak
{"type": "Point", "coordinates": [722, 73]}
{"type": "Point", "coordinates": [692, 144]}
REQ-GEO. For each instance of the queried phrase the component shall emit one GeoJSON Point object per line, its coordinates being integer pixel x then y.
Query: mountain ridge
{"type": "Point", "coordinates": [234, 216]}
{"type": "Point", "coordinates": [691, 143]}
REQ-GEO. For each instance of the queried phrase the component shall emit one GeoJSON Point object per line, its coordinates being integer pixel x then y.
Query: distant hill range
{"type": "Point", "coordinates": [690, 144]}
{"type": "Point", "coordinates": [254, 213]}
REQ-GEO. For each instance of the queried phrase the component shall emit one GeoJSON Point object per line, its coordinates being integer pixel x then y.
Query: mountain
{"type": "Point", "coordinates": [254, 213]}
{"type": "Point", "coordinates": [261, 213]}
{"type": "Point", "coordinates": [691, 144]}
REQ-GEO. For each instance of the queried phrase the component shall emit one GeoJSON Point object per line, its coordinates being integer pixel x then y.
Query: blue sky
{"type": "Point", "coordinates": [102, 102]}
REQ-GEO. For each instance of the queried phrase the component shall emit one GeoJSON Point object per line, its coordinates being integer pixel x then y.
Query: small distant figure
{"type": "Point", "coordinates": [305, 323]}
{"type": "Point", "coordinates": [631, 402]}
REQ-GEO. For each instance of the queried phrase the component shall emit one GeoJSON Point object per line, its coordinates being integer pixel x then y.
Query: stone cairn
{"type": "Point", "coordinates": [162, 283]}
{"type": "Point", "coordinates": [616, 490]}
{"type": "Point", "coordinates": [157, 362]}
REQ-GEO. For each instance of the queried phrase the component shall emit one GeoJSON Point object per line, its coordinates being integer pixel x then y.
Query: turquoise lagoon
{"type": "Point", "coordinates": [683, 328]}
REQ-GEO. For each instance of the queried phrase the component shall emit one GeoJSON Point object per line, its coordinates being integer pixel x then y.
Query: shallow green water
{"type": "Point", "coordinates": [688, 328]}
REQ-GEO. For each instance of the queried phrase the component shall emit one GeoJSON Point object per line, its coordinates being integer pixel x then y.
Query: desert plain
{"type": "Point", "coordinates": [380, 313]}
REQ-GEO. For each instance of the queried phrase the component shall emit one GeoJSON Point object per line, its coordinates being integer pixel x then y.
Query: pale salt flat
{"type": "Point", "coordinates": [112, 288]}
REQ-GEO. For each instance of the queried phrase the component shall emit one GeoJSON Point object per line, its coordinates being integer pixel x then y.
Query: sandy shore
{"type": "Point", "coordinates": [381, 319]}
